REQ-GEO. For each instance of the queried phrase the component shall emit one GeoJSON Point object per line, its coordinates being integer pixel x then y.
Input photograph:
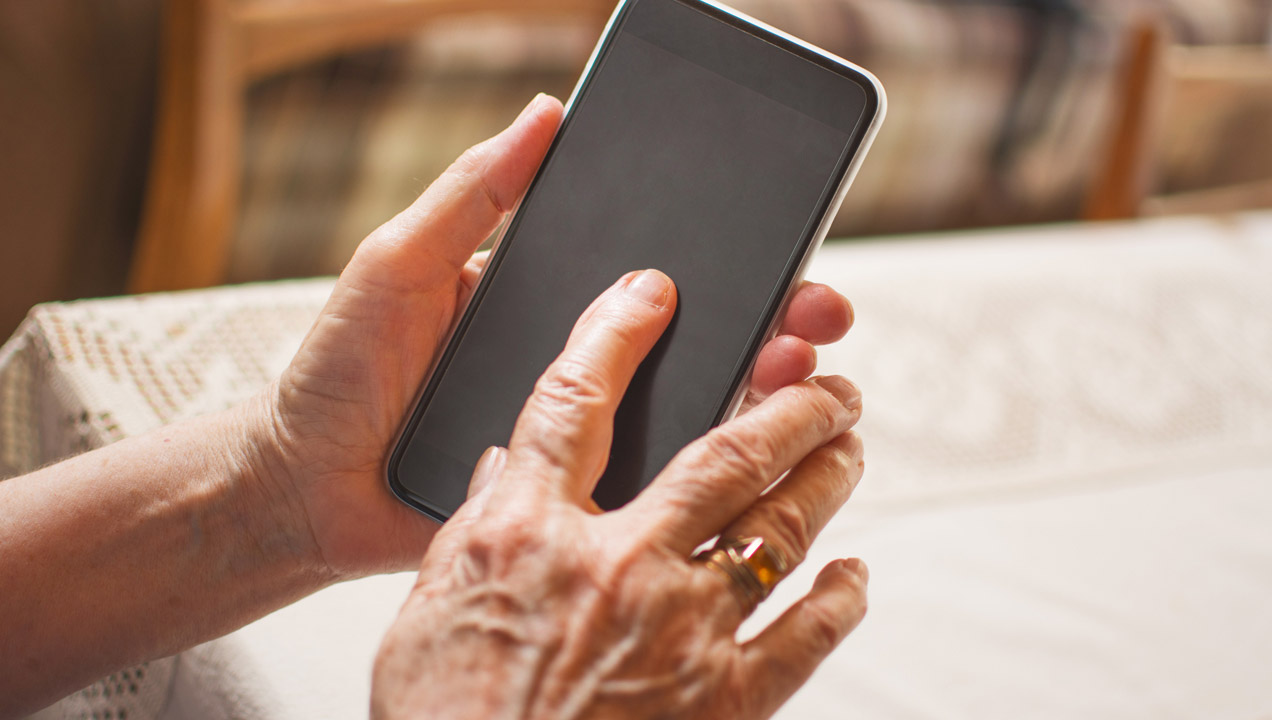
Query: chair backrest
{"type": "Point", "coordinates": [211, 52]}
{"type": "Point", "coordinates": [1193, 133]}
{"type": "Point", "coordinates": [1215, 147]}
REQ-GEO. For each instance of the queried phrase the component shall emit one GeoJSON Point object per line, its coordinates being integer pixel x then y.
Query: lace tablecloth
{"type": "Point", "coordinates": [77, 376]}
{"type": "Point", "coordinates": [1066, 510]}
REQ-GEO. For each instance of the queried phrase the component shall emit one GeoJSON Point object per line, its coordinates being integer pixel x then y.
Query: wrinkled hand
{"type": "Point", "coordinates": [336, 410]}
{"type": "Point", "coordinates": [531, 604]}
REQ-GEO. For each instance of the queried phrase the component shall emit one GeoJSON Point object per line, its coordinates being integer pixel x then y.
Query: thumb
{"type": "Point", "coordinates": [465, 205]}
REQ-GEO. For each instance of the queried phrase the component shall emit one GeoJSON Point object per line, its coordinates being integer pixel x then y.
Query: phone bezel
{"type": "Point", "coordinates": [848, 164]}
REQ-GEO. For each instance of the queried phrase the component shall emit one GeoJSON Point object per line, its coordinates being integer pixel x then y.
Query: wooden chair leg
{"type": "Point", "coordinates": [1121, 184]}
{"type": "Point", "coordinates": [192, 193]}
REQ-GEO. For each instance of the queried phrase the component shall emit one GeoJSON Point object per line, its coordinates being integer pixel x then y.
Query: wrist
{"type": "Point", "coordinates": [269, 489]}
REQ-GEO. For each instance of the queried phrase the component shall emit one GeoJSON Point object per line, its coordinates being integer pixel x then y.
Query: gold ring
{"type": "Point", "coordinates": [752, 567]}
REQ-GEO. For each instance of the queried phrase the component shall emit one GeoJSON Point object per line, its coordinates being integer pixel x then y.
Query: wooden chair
{"type": "Point", "coordinates": [211, 52]}
{"type": "Point", "coordinates": [1234, 85]}
{"type": "Point", "coordinates": [1161, 84]}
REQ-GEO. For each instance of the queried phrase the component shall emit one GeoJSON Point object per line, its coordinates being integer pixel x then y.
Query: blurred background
{"type": "Point", "coordinates": [153, 145]}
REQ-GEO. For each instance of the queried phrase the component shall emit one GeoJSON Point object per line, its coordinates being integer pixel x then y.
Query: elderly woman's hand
{"type": "Point", "coordinates": [335, 412]}
{"type": "Point", "coordinates": [531, 604]}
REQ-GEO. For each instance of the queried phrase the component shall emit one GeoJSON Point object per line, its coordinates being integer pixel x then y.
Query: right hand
{"type": "Point", "coordinates": [532, 604]}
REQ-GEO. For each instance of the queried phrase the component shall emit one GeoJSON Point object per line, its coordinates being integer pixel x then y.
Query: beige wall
{"type": "Point", "coordinates": [77, 83]}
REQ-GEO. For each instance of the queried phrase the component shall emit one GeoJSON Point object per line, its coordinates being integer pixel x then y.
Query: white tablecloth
{"type": "Point", "coordinates": [1067, 509]}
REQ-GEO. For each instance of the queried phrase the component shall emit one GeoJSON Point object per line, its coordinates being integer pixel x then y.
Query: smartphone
{"type": "Point", "coordinates": [698, 141]}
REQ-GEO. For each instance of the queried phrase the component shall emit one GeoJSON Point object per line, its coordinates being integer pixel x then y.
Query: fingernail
{"type": "Point", "coordinates": [851, 443]}
{"type": "Point", "coordinates": [650, 286]}
{"type": "Point", "coordinates": [489, 466]}
{"type": "Point", "coordinates": [844, 391]}
{"type": "Point", "coordinates": [531, 105]}
{"type": "Point", "coordinates": [858, 568]}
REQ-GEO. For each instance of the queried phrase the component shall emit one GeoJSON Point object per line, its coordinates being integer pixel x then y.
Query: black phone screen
{"type": "Point", "coordinates": [698, 145]}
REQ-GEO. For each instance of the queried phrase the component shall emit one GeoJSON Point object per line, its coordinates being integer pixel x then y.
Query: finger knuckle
{"type": "Point", "coordinates": [692, 490]}
{"type": "Point", "coordinates": [492, 546]}
{"type": "Point", "coordinates": [789, 527]}
{"type": "Point", "coordinates": [566, 401]}
{"type": "Point", "coordinates": [746, 457]}
{"type": "Point", "coordinates": [825, 628]}
{"type": "Point", "coordinates": [570, 383]}
{"type": "Point", "coordinates": [469, 161]}
{"type": "Point", "coordinates": [470, 166]}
